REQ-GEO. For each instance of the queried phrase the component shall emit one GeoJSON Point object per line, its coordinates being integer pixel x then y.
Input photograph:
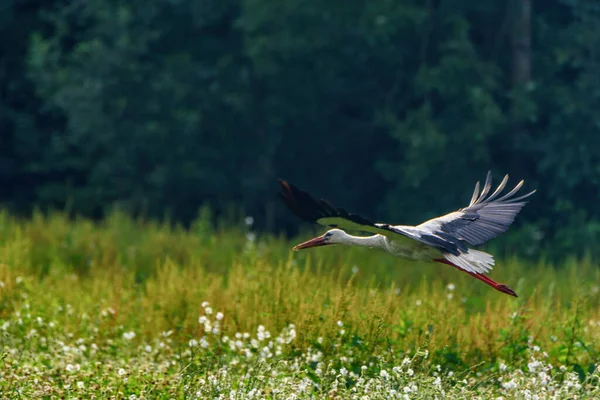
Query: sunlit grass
{"type": "Point", "coordinates": [130, 308]}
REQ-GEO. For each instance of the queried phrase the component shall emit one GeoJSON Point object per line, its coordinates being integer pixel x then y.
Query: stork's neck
{"type": "Point", "coordinates": [365, 241]}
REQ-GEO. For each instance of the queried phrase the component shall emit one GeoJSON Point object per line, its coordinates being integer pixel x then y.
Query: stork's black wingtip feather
{"type": "Point", "coordinates": [309, 209]}
{"type": "Point", "coordinates": [298, 201]}
{"type": "Point", "coordinates": [288, 191]}
{"type": "Point", "coordinates": [283, 183]}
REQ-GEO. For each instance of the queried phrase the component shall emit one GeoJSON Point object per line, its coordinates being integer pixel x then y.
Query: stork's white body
{"type": "Point", "coordinates": [404, 247]}
{"type": "Point", "coordinates": [410, 249]}
{"type": "Point", "coordinates": [400, 248]}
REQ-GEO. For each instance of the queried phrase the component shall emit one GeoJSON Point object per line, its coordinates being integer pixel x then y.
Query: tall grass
{"type": "Point", "coordinates": [99, 282]}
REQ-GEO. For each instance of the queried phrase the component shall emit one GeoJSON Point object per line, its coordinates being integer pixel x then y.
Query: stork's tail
{"type": "Point", "coordinates": [472, 261]}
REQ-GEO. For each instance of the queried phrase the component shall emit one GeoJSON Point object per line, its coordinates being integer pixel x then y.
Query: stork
{"type": "Point", "coordinates": [443, 239]}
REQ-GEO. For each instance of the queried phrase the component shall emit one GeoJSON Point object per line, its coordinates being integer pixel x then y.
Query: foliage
{"type": "Point", "coordinates": [392, 109]}
{"type": "Point", "coordinates": [131, 308]}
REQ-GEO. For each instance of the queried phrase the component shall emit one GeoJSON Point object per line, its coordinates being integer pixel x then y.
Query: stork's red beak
{"type": "Point", "coordinates": [318, 241]}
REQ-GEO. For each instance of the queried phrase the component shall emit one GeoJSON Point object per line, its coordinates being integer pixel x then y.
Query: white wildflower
{"type": "Point", "coordinates": [533, 365]}
{"type": "Point", "coordinates": [71, 368]}
{"type": "Point", "coordinates": [510, 384]}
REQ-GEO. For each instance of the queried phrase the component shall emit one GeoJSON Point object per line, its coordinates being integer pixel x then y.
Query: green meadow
{"type": "Point", "coordinates": [131, 309]}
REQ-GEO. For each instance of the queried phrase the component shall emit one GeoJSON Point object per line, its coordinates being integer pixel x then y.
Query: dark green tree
{"type": "Point", "coordinates": [391, 109]}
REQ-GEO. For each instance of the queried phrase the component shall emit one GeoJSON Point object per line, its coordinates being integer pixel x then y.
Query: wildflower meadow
{"type": "Point", "coordinates": [131, 309]}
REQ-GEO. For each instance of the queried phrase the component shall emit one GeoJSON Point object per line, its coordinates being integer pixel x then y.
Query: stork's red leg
{"type": "Point", "coordinates": [498, 286]}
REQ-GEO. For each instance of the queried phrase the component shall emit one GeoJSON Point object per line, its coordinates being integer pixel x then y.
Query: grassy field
{"type": "Point", "coordinates": [130, 309]}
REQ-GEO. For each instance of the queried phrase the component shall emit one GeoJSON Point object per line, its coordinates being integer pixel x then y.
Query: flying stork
{"type": "Point", "coordinates": [444, 239]}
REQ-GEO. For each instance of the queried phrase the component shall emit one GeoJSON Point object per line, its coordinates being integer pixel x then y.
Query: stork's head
{"type": "Point", "coordinates": [332, 236]}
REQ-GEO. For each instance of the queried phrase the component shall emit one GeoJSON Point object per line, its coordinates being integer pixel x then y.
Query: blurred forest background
{"type": "Point", "coordinates": [389, 108]}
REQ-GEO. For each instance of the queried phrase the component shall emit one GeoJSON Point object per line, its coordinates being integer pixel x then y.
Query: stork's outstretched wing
{"type": "Point", "coordinates": [484, 218]}
{"type": "Point", "coordinates": [323, 213]}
